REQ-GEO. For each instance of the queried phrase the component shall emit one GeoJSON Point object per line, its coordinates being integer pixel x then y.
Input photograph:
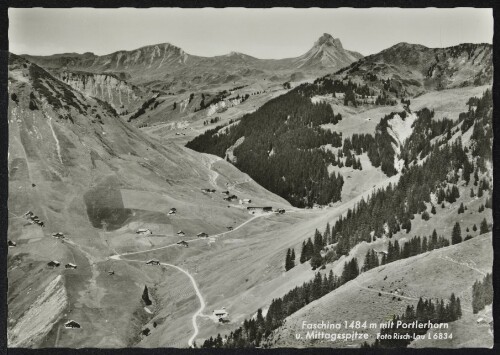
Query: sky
{"type": "Point", "coordinates": [262, 33]}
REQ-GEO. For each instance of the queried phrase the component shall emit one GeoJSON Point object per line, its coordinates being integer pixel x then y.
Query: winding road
{"type": "Point", "coordinates": [199, 312]}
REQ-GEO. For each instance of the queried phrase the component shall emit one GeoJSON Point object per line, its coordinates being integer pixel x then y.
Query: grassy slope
{"type": "Point", "coordinates": [432, 274]}
{"type": "Point", "coordinates": [149, 178]}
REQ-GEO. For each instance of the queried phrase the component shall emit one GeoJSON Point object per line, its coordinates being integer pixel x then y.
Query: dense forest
{"type": "Point", "coordinates": [391, 209]}
{"type": "Point", "coordinates": [433, 311]}
{"type": "Point", "coordinates": [482, 293]}
{"type": "Point", "coordinates": [283, 149]}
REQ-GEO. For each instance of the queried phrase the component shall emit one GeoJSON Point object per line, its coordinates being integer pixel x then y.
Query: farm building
{"type": "Point", "coordinates": [71, 324]}
{"type": "Point", "coordinates": [264, 209]}
{"type": "Point", "coordinates": [210, 191]}
{"type": "Point", "coordinates": [202, 235]}
{"type": "Point", "coordinates": [153, 262]}
{"type": "Point", "coordinates": [225, 192]}
{"type": "Point", "coordinates": [280, 210]}
{"type": "Point", "coordinates": [172, 211]}
{"type": "Point", "coordinates": [181, 233]}
{"type": "Point", "coordinates": [183, 243]}
{"type": "Point", "coordinates": [11, 243]}
{"type": "Point", "coordinates": [229, 228]}
{"type": "Point", "coordinates": [221, 314]}
{"type": "Point", "coordinates": [70, 266]}
{"type": "Point", "coordinates": [58, 235]}
{"type": "Point", "coordinates": [245, 201]}
{"type": "Point", "coordinates": [144, 231]}
{"type": "Point", "coordinates": [230, 198]}
{"type": "Point", "coordinates": [53, 263]}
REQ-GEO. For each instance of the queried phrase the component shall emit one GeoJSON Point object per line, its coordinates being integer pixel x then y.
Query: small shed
{"type": "Point", "coordinates": [153, 262]}
{"type": "Point", "coordinates": [264, 209]}
{"type": "Point", "coordinates": [202, 235]}
{"type": "Point", "coordinates": [11, 243]}
{"type": "Point", "coordinates": [53, 263]}
{"type": "Point", "coordinates": [183, 243]}
{"type": "Point", "coordinates": [144, 231]}
{"type": "Point", "coordinates": [70, 266]}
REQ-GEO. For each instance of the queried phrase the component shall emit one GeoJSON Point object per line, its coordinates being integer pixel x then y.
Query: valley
{"type": "Point", "coordinates": [186, 187]}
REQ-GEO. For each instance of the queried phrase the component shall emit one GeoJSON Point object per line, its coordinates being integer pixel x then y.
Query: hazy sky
{"type": "Point", "coordinates": [263, 33]}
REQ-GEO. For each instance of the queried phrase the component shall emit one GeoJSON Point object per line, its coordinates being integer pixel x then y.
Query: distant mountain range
{"type": "Point", "coordinates": [167, 67]}
{"type": "Point", "coordinates": [126, 79]}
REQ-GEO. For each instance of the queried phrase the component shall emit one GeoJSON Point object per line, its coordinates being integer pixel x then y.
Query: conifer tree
{"type": "Point", "coordinates": [303, 253]}
{"type": "Point", "coordinates": [483, 228]}
{"type": "Point", "coordinates": [456, 236]}
{"type": "Point", "coordinates": [287, 260]}
{"type": "Point", "coordinates": [145, 296]}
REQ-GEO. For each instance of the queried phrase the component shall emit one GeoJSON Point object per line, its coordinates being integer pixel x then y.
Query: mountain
{"type": "Point", "coordinates": [175, 69]}
{"type": "Point", "coordinates": [86, 173]}
{"type": "Point", "coordinates": [327, 52]}
{"type": "Point", "coordinates": [413, 68]}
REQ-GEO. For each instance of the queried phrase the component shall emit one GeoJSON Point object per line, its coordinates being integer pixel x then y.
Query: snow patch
{"type": "Point", "coordinates": [400, 129]}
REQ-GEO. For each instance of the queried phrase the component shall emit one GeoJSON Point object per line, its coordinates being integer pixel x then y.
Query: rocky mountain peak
{"type": "Point", "coordinates": [328, 40]}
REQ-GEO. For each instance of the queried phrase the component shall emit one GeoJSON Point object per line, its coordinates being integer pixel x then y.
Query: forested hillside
{"type": "Point", "coordinates": [449, 162]}
{"type": "Point", "coordinates": [283, 148]}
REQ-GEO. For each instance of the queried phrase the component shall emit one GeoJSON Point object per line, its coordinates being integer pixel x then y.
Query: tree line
{"type": "Point", "coordinates": [254, 332]}
{"type": "Point", "coordinates": [434, 311]}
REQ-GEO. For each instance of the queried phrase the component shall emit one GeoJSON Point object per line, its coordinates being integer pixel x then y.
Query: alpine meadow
{"type": "Point", "coordinates": [162, 199]}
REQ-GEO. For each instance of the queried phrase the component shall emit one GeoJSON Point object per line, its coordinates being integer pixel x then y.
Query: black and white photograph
{"type": "Point", "coordinates": [239, 177]}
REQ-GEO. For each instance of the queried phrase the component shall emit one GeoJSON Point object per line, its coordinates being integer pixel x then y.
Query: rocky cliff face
{"type": "Point", "coordinates": [122, 96]}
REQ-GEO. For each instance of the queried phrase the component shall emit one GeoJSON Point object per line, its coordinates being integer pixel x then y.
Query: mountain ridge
{"type": "Point", "coordinates": [171, 65]}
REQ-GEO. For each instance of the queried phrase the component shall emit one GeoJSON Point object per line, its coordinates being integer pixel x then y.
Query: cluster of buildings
{"type": "Point", "coordinates": [30, 216]}
{"type": "Point", "coordinates": [55, 263]}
